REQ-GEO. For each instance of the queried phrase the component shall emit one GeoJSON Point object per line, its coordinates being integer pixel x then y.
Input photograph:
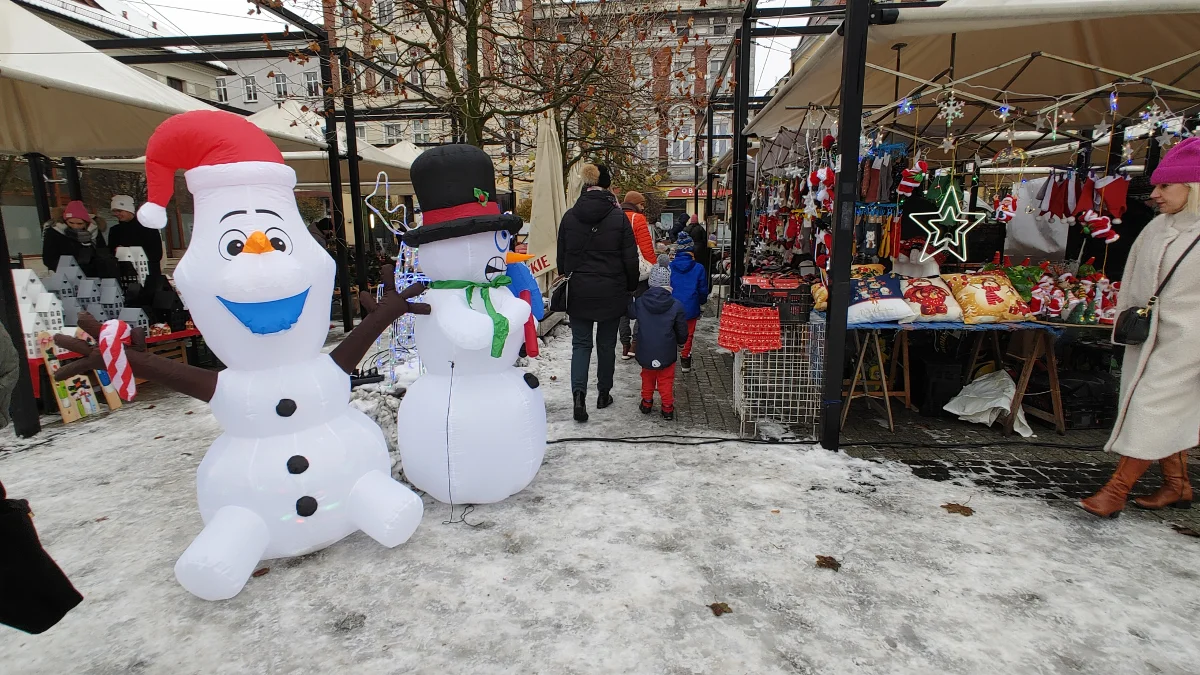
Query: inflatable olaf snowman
{"type": "Point", "coordinates": [296, 468]}
{"type": "Point", "coordinates": [473, 426]}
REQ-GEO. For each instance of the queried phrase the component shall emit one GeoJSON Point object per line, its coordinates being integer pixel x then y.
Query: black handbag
{"type": "Point", "coordinates": [34, 592]}
{"type": "Point", "coordinates": [1132, 327]}
{"type": "Point", "coordinates": [561, 293]}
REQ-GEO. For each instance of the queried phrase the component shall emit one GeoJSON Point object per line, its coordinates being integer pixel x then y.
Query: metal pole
{"type": "Point", "coordinates": [335, 179]}
{"type": "Point", "coordinates": [360, 228]}
{"type": "Point", "coordinates": [25, 418]}
{"type": "Point", "coordinates": [37, 176]}
{"type": "Point", "coordinates": [854, 58]}
{"type": "Point", "coordinates": [738, 220]}
{"type": "Point", "coordinates": [71, 168]}
{"type": "Point", "coordinates": [708, 163]}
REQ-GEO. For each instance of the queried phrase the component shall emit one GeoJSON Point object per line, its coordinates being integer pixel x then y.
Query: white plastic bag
{"type": "Point", "coordinates": [987, 399]}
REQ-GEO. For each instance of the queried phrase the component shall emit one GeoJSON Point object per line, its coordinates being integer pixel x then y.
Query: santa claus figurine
{"type": "Point", "coordinates": [296, 468]}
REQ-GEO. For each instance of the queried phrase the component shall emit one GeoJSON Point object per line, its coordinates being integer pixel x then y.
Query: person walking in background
{"type": "Point", "coordinates": [633, 206]}
{"type": "Point", "coordinates": [596, 249]}
{"type": "Point", "coordinates": [1160, 378]}
{"type": "Point", "coordinates": [661, 329]}
{"type": "Point", "coordinates": [689, 285]}
{"type": "Point", "coordinates": [681, 222]}
{"type": "Point", "coordinates": [129, 232]}
{"type": "Point", "coordinates": [699, 235]}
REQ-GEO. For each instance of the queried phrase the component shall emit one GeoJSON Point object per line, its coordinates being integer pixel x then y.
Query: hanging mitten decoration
{"type": "Point", "coordinates": [910, 179]}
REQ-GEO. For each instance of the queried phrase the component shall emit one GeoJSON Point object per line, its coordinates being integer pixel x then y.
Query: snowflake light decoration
{"type": "Point", "coordinates": [950, 109]}
{"type": "Point", "coordinates": [906, 106]}
{"type": "Point", "coordinates": [1153, 115]}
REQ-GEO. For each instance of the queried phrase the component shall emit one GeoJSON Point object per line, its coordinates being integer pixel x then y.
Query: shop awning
{"type": "Point", "coordinates": [1038, 50]}
{"type": "Point", "coordinates": [60, 97]}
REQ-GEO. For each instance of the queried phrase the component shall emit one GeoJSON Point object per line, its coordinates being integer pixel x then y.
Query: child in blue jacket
{"type": "Point", "coordinates": [661, 328]}
{"type": "Point", "coordinates": [689, 285]}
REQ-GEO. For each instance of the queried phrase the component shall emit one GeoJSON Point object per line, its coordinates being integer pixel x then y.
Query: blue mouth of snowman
{"type": "Point", "coordinates": [266, 318]}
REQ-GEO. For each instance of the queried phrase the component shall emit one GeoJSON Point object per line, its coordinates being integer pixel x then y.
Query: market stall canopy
{"type": "Point", "coordinates": [404, 151]}
{"type": "Point", "coordinates": [60, 97]}
{"type": "Point", "coordinates": [313, 168]}
{"type": "Point", "coordinates": [1047, 50]}
{"type": "Point", "coordinates": [549, 199]}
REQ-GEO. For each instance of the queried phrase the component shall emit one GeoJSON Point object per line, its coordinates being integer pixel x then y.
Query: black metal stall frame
{"type": "Point", "coordinates": [857, 16]}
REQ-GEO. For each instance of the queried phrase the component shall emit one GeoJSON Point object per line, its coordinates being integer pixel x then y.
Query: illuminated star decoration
{"type": "Point", "coordinates": [1165, 139]}
{"type": "Point", "coordinates": [906, 106]}
{"type": "Point", "coordinates": [1101, 129]}
{"type": "Point", "coordinates": [396, 226]}
{"type": "Point", "coordinates": [1003, 112]}
{"type": "Point", "coordinates": [948, 144]}
{"type": "Point", "coordinates": [947, 227]}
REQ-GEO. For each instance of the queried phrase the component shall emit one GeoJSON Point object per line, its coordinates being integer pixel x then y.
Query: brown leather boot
{"type": "Point", "coordinates": [1108, 502]}
{"type": "Point", "coordinates": [1176, 490]}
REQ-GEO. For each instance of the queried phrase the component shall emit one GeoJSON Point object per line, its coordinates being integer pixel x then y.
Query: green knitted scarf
{"type": "Point", "coordinates": [499, 321]}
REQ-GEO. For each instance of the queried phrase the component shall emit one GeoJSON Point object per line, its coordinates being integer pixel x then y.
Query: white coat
{"type": "Point", "coordinates": [1159, 413]}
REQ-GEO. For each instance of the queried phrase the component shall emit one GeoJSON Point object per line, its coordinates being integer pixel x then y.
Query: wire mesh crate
{"type": "Point", "coordinates": [782, 387]}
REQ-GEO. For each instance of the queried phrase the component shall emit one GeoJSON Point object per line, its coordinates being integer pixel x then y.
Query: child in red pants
{"type": "Point", "coordinates": [689, 285]}
{"type": "Point", "coordinates": [661, 328]}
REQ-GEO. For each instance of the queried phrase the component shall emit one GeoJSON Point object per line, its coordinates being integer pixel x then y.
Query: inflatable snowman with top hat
{"type": "Point", "coordinates": [296, 468]}
{"type": "Point", "coordinates": [473, 426]}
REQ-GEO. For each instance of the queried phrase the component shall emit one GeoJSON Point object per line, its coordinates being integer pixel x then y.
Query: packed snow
{"type": "Point", "coordinates": [608, 563]}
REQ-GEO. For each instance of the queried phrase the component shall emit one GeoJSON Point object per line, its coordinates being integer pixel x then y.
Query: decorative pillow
{"type": "Point", "coordinates": [864, 271]}
{"type": "Point", "coordinates": [930, 298]}
{"type": "Point", "coordinates": [987, 297]}
{"type": "Point", "coordinates": [877, 299]}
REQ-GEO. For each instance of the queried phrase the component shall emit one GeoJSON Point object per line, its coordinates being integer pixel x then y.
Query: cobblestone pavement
{"type": "Point", "coordinates": [1059, 469]}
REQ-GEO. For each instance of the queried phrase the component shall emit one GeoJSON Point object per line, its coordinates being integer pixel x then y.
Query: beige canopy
{"type": "Point", "coordinates": [60, 97]}
{"type": "Point", "coordinates": [549, 199]}
{"type": "Point", "coordinates": [312, 166]}
{"type": "Point", "coordinates": [1042, 51]}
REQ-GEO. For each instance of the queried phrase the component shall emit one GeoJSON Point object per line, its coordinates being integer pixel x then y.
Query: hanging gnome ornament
{"type": "Point", "coordinates": [1005, 208]}
{"type": "Point", "coordinates": [473, 427]}
{"type": "Point", "coordinates": [296, 468]}
{"type": "Point", "coordinates": [821, 184]}
{"type": "Point", "coordinates": [911, 179]}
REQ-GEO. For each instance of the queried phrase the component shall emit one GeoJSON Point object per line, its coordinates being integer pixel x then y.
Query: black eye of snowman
{"type": "Point", "coordinates": [231, 243]}
{"type": "Point", "coordinates": [280, 241]}
{"type": "Point", "coordinates": [502, 240]}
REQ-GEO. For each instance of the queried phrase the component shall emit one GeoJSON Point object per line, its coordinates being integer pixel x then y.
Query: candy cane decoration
{"type": "Point", "coordinates": [113, 337]}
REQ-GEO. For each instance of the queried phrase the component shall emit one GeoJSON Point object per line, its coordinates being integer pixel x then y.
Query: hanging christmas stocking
{"type": "Point", "coordinates": [1114, 193]}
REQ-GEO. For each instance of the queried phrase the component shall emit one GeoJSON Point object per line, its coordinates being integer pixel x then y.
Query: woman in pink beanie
{"type": "Point", "coordinates": [1160, 378]}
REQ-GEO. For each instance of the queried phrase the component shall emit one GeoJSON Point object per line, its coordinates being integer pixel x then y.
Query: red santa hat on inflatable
{"type": "Point", "coordinates": [216, 149]}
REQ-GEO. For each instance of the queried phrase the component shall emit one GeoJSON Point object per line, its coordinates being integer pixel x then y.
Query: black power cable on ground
{"type": "Point", "coordinates": [662, 439]}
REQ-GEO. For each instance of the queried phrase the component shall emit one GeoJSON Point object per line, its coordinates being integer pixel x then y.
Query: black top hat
{"type": "Point", "coordinates": [456, 188]}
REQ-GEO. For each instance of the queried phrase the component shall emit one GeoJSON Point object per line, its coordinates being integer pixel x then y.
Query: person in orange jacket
{"type": "Point", "coordinates": [634, 207]}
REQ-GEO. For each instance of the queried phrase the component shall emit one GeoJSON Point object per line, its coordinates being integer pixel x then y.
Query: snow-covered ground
{"type": "Point", "coordinates": [608, 563]}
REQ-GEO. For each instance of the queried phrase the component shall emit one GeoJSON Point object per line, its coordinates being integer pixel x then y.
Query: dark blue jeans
{"type": "Point", "coordinates": [581, 353]}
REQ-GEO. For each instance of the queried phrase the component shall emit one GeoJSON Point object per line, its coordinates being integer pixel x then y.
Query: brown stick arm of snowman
{"type": "Point", "coordinates": [190, 380]}
{"type": "Point", "coordinates": [353, 348]}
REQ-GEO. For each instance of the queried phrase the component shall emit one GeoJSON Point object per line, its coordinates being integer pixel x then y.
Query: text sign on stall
{"type": "Point", "coordinates": [539, 265]}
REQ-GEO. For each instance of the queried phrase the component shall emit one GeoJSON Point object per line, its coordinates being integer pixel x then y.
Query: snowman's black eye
{"type": "Point", "coordinates": [280, 241]}
{"type": "Point", "coordinates": [231, 243]}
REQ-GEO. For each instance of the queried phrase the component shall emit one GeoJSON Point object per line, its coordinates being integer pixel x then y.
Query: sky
{"type": "Point", "coordinates": [212, 17]}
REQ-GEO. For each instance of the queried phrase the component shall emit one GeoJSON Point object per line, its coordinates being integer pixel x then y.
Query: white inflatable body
{"type": "Point", "coordinates": [472, 429]}
{"type": "Point", "coordinates": [296, 468]}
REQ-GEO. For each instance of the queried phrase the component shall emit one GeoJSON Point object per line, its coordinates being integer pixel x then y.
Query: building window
{"type": "Point", "coordinates": [347, 16]}
{"type": "Point", "coordinates": [222, 91]}
{"type": "Point", "coordinates": [720, 128]}
{"type": "Point", "coordinates": [647, 149]}
{"type": "Point", "coordinates": [312, 84]}
{"type": "Point", "coordinates": [360, 131]}
{"type": "Point", "coordinates": [392, 134]}
{"type": "Point", "coordinates": [388, 84]}
{"type": "Point", "coordinates": [508, 6]}
{"type": "Point", "coordinates": [385, 11]}
{"type": "Point", "coordinates": [718, 29]}
{"type": "Point", "coordinates": [249, 89]}
{"type": "Point", "coordinates": [420, 131]}
{"type": "Point", "coordinates": [176, 84]}
{"type": "Point", "coordinates": [681, 144]}
{"type": "Point", "coordinates": [281, 85]}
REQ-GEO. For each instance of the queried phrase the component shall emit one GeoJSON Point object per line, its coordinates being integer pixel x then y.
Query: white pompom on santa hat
{"type": "Point", "coordinates": [216, 149]}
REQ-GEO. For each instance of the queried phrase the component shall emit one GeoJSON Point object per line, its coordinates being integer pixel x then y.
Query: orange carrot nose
{"type": "Point", "coordinates": [511, 257]}
{"type": "Point", "coordinates": [258, 243]}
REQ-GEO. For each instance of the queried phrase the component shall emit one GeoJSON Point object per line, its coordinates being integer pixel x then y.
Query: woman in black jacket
{"type": "Point", "coordinates": [596, 247]}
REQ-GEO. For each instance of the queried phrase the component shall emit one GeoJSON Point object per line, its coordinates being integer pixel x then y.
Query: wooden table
{"type": "Point", "coordinates": [1038, 345]}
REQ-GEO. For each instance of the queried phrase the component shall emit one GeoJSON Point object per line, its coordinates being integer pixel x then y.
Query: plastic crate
{"type": "Point", "coordinates": [794, 304]}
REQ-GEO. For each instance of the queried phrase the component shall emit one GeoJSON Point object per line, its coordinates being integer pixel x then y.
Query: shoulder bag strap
{"type": "Point", "coordinates": [1174, 267]}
